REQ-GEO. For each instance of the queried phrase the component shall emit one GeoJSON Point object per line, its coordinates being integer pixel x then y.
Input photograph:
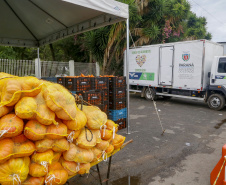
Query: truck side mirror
{"type": "Point", "coordinates": [209, 73]}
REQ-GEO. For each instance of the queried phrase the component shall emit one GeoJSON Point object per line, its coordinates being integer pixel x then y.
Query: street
{"type": "Point", "coordinates": [185, 154]}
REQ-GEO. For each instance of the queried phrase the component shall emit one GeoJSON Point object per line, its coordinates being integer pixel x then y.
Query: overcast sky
{"type": "Point", "coordinates": [215, 13]}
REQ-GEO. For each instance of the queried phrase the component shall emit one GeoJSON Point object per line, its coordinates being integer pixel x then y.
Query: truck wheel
{"type": "Point", "coordinates": [149, 94]}
{"type": "Point", "coordinates": [216, 102]}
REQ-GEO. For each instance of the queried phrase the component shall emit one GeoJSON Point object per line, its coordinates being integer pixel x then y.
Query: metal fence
{"type": "Point", "coordinates": [48, 68]}
{"type": "Point", "coordinates": [85, 68]}
{"type": "Point", "coordinates": [54, 68]}
{"type": "Point", "coordinates": [18, 67]}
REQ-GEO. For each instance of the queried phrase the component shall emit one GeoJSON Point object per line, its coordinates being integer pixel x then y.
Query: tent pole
{"type": "Point", "coordinates": [127, 74]}
{"type": "Point", "coordinates": [39, 65]}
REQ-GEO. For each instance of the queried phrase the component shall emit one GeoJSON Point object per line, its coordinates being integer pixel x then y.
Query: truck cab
{"type": "Point", "coordinates": [217, 88]}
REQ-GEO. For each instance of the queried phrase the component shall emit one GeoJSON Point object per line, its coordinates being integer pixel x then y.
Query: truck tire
{"type": "Point", "coordinates": [149, 94]}
{"type": "Point", "coordinates": [216, 102]}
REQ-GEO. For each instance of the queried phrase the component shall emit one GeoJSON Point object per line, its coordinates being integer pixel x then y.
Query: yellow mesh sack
{"type": "Point", "coordinates": [71, 167]}
{"type": "Point", "coordinates": [34, 181]}
{"type": "Point", "coordinates": [118, 141]}
{"type": "Point", "coordinates": [5, 75]}
{"type": "Point", "coordinates": [11, 126]}
{"type": "Point", "coordinates": [41, 157]}
{"type": "Point", "coordinates": [26, 108]}
{"type": "Point", "coordinates": [14, 171]}
{"type": "Point", "coordinates": [44, 114]}
{"type": "Point", "coordinates": [60, 101]}
{"type": "Point", "coordinates": [5, 110]}
{"type": "Point", "coordinates": [78, 155]}
{"type": "Point", "coordinates": [10, 92]}
{"type": "Point", "coordinates": [59, 145]}
{"type": "Point", "coordinates": [37, 170]}
{"type": "Point", "coordinates": [12, 89]}
{"type": "Point", "coordinates": [95, 117]}
{"type": "Point", "coordinates": [111, 125]}
{"type": "Point", "coordinates": [56, 156]}
{"type": "Point", "coordinates": [79, 122]}
{"type": "Point", "coordinates": [84, 168]}
{"type": "Point", "coordinates": [57, 175]}
{"type": "Point", "coordinates": [35, 108]}
{"type": "Point", "coordinates": [86, 139]}
{"type": "Point", "coordinates": [97, 154]}
{"type": "Point", "coordinates": [106, 134]}
{"type": "Point", "coordinates": [31, 86]}
{"type": "Point", "coordinates": [36, 131]}
{"type": "Point", "coordinates": [110, 149]}
{"type": "Point", "coordinates": [97, 134]}
{"type": "Point", "coordinates": [103, 145]}
{"type": "Point", "coordinates": [22, 147]}
{"type": "Point", "coordinates": [72, 135]}
{"type": "Point", "coordinates": [44, 145]}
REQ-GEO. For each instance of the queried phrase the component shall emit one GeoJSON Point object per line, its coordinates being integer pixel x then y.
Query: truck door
{"type": "Point", "coordinates": [219, 77]}
{"type": "Point", "coordinates": [166, 65]}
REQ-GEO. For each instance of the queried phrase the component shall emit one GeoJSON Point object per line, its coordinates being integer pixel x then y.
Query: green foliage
{"type": "Point", "coordinates": [196, 27]}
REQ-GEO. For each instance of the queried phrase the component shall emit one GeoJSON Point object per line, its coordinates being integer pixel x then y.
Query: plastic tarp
{"type": "Point", "coordinates": [33, 23]}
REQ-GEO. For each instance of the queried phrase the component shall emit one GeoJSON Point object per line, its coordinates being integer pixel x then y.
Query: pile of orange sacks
{"type": "Point", "coordinates": [45, 138]}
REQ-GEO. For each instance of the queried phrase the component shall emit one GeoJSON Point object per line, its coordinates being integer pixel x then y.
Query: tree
{"type": "Point", "coordinates": [196, 28]}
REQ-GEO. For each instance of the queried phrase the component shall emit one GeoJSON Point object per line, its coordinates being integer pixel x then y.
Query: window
{"type": "Point", "coordinates": [222, 65]}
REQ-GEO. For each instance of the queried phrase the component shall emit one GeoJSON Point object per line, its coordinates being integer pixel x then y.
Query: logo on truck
{"type": "Point", "coordinates": [186, 56]}
{"type": "Point", "coordinates": [141, 59]}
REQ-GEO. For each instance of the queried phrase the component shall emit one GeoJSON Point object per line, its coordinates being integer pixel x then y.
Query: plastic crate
{"type": "Point", "coordinates": [61, 81]}
{"type": "Point", "coordinates": [73, 92]}
{"type": "Point", "coordinates": [100, 83]}
{"type": "Point", "coordinates": [78, 83]}
{"type": "Point", "coordinates": [117, 81]}
{"type": "Point", "coordinates": [117, 114]}
{"type": "Point", "coordinates": [117, 93]}
{"type": "Point", "coordinates": [121, 123]}
{"type": "Point", "coordinates": [105, 107]}
{"type": "Point", "coordinates": [117, 104]}
{"type": "Point", "coordinates": [92, 97]}
{"type": "Point", "coordinates": [50, 79]}
{"type": "Point", "coordinates": [105, 94]}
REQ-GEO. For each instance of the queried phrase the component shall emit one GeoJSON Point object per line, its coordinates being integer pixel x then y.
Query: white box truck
{"type": "Point", "coordinates": [189, 69]}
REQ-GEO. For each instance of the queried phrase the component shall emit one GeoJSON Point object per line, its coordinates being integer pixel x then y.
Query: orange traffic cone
{"type": "Point", "coordinates": [217, 176]}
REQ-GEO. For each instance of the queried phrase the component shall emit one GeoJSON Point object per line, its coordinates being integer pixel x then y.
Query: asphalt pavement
{"type": "Point", "coordinates": [185, 154]}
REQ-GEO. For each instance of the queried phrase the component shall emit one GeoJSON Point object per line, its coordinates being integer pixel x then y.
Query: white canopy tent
{"type": "Point", "coordinates": [33, 23]}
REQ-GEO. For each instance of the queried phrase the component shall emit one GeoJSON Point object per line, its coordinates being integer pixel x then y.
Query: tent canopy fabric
{"type": "Point", "coordinates": [33, 23]}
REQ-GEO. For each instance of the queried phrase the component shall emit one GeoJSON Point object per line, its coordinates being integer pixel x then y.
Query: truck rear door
{"type": "Point", "coordinates": [166, 65]}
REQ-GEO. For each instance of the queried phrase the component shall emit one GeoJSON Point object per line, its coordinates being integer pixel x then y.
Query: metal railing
{"type": "Point", "coordinates": [48, 68]}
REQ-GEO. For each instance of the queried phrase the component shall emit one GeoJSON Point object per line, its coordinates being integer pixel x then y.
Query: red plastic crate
{"type": "Point", "coordinates": [117, 81]}
{"type": "Point", "coordinates": [117, 93]}
{"type": "Point", "coordinates": [117, 104]}
{"type": "Point", "coordinates": [121, 123]}
{"type": "Point", "coordinates": [100, 83]}
{"type": "Point", "coordinates": [78, 83]}
{"type": "Point", "coordinates": [92, 97]}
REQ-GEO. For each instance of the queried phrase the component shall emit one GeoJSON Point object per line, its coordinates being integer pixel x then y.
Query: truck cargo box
{"type": "Point", "coordinates": [179, 65]}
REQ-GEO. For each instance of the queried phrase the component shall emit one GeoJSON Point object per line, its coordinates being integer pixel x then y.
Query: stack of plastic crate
{"type": "Point", "coordinates": [117, 100]}
{"type": "Point", "coordinates": [76, 84]}
{"type": "Point", "coordinates": [101, 84]}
